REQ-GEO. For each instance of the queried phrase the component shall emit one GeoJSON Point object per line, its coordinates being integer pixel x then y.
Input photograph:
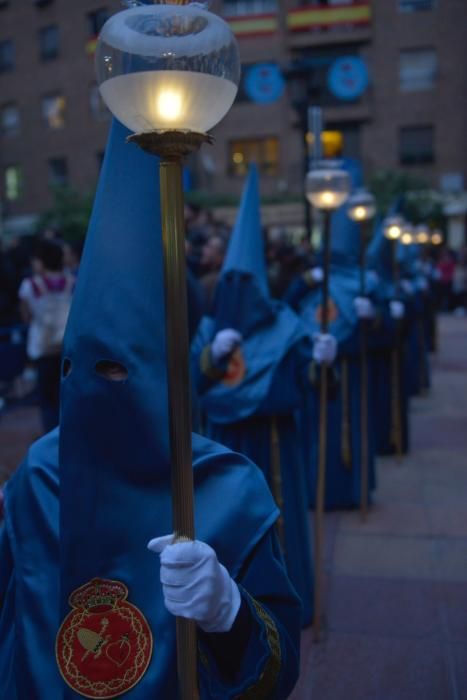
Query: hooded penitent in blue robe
{"type": "Point", "coordinates": [390, 388]}
{"type": "Point", "coordinates": [343, 441]}
{"type": "Point", "coordinates": [250, 402]}
{"type": "Point", "coordinates": [88, 497]}
{"type": "Point", "coordinates": [418, 304]}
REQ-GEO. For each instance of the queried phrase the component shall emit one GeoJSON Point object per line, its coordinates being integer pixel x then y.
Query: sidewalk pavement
{"type": "Point", "coordinates": [397, 585]}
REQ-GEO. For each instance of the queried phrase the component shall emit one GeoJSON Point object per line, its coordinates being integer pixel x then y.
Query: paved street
{"type": "Point", "coordinates": [397, 585]}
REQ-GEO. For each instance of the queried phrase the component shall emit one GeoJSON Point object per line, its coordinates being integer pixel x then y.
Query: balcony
{"type": "Point", "coordinates": [329, 23]}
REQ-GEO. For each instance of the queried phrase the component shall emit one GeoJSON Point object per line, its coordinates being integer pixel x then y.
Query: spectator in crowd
{"type": "Point", "coordinates": [212, 258]}
{"type": "Point", "coordinates": [45, 300]}
{"type": "Point", "coordinates": [459, 283]}
{"type": "Point", "coordinates": [446, 268]}
{"type": "Point", "coordinates": [72, 253]}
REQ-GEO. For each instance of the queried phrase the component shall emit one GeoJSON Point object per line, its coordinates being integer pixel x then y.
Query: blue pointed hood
{"type": "Point", "coordinates": [246, 246]}
{"type": "Point", "coordinates": [407, 256]}
{"type": "Point", "coordinates": [242, 297]}
{"type": "Point", "coordinates": [379, 254]}
{"type": "Point", "coordinates": [114, 445]}
{"type": "Point", "coordinates": [345, 233]}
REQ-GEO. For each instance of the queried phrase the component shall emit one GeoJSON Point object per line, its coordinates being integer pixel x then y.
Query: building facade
{"type": "Point", "coordinates": [390, 75]}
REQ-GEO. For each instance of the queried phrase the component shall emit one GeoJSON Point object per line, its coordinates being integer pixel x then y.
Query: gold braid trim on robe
{"type": "Point", "coordinates": [266, 683]}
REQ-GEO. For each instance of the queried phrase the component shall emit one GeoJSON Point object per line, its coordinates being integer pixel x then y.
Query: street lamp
{"type": "Point", "coordinates": [407, 235]}
{"type": "Point", "coordinates": [361, 208]}
{"type": "Point", "coordinates": [392, 227]}
{"type": "Point", "coordinates": [422, 234]}
{"type": "Point", "coordinates": [327, 187]}
{"type": "Point", "coordinates": [436, 238]}
{"type": "Point", "coordinates": [169, 72]}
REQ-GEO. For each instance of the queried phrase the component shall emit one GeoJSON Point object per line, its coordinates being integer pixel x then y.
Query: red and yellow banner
{"type": "Point", "coordinates": [304, 19]}
{"type": "Point", "coordinates": [253, 25]}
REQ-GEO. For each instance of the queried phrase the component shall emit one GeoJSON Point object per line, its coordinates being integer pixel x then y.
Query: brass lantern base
{"type": "Point", "coordinates": [170, 145]}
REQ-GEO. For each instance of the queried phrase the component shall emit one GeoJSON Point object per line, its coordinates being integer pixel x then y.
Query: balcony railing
{"type": "Point", "coordinates": [327, 17]}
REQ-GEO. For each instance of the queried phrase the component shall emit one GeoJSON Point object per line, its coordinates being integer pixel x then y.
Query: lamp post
{"type": "Point", "coordinates": [170, 72]}
{"type": "Point", "coordinates": [361, 209]}
{"type": "Point", "coordinates": [327, 187]}
{"type": "Point", "coordinates": [422, 234]}
{"type": "Point", "coordinates": [393, 227]}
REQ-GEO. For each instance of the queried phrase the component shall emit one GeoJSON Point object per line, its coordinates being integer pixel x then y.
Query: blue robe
{"type": "Point", "coordinates": [344, 434]}
{"type": "Point", "coordinates": [276, 355]}
{"type": "Point", "coordinates": [239, 529]}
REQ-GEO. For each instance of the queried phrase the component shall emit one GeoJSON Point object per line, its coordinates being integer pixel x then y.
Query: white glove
{"type": "Point", "coordinates": [407, 287]}
{"type": "Point", "coordinates": [397, 310]}
{"type": "Point", "coordinates": [422, 283]}
{"type": "Point", "coordinates": [324, 348]}
{"type": "Point", "coordinates": [195, 585]}
{"type": "Point", "coordinates": [316, 274]}
{"type": "Point", "coordinates": [364, 307]}
{"type": "Point", "coordinates": [224, 343]}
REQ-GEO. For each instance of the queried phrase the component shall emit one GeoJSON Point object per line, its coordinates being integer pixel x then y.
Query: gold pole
{"type": "Point", "coordinates": [276, 481]}
{"type": "Point", "coordinates": [346, 450]}
{"type": "Point", "coordinates": [323, 430]}
{"type": "Point", "coordinates": [172, 147]}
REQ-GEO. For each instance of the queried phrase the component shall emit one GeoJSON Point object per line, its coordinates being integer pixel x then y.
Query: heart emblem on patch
{"type": "Point", "coordinates": [118, 652]}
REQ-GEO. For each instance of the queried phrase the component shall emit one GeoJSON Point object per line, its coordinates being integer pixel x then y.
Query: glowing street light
{"type": "Point", "coordinates": [393, 226]}
{"type": "Point", "coordinates": [361, 206]}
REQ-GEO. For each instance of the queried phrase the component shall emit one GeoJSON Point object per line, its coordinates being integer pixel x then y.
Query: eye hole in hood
{"type": "Point", "coordinates": [111, 370]}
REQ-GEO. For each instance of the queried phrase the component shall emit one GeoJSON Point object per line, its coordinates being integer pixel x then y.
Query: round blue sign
{"type": "Point", "coordinates": [264, 83]}
{"type": "Point", "coordinates": [348, 78]}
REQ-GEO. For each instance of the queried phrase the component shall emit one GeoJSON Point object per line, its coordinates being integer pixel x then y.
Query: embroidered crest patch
{"type": "Point", "coordinates": [104, 645]}
{"type": "Point", "coordinates": [333, 312]}
{"type": "Point", "coordinates": [236, 369]}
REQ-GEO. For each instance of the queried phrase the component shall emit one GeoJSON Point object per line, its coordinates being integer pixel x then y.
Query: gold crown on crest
{"type": "Point", "coordinates": [98, 595]}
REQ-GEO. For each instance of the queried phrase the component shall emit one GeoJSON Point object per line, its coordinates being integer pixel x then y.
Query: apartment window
{"type": "Point", "coordinates": [416, 5]}
{"type": "Point", "coordinates": [9, 120]}
{"type": "Point", "coordinates": [249, 7]}
{"type": "Point", "coordinates": [96, 21]}
{"type": "Point", "coordinates": [13, 182]}
{"type": "Point", "coordinates": [7, 55]}
{"type": "Point", "coordinates": [53, 111]}
{"type": "Point", "coordinates": [99, 109]}
{"type": "Point", "coordinates": [58, 172]}
{"type": "Point", "coordinates": [416, 145]}
{"type": "Point", "coordinates": [264, 152]}
{"type": "Point", "coordinates": [48, 43]}
{"type": "Point", "coordinates": [417, 69]}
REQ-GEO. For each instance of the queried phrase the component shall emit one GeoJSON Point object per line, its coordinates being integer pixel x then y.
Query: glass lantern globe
{"type": "Point", "coordinates": [436, 238]}
{"type": "Point", "coordinates": [327, 185]}
{"type": "Point", "coordinates": [392, 227]}
{"type": "Point", "coordinates": [167, 66]}
{"type": "Point", "coordinates": [422, 234]}
{"type": "Point", "coordinates": [361, 206]}
{"type": "Point", "coordinates": [407, 235]}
